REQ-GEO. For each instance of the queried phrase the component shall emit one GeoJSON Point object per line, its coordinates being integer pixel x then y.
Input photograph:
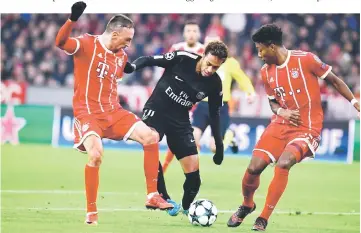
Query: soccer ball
{"type": "Point", "coordinates": [202, 212]}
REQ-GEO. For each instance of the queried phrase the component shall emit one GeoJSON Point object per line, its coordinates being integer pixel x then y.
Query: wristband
{"type": "Point", "coordinates": [278, 111]}
{"type": "Point", "coordinates": [354, 101]}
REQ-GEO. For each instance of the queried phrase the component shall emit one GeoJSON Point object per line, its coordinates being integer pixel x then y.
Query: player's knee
{"type": "Point", "coordinates": [257, 165]}
{"type": "Point", "coordinates": [254, 170]}
{"type": "Point", "coordinates": [150, 137]}
{"type": "Point", "coordinates": [286, 163]}
{"type": "Point", "coordinates": [95, 156]}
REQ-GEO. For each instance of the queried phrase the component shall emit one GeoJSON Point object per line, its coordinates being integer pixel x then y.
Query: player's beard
{"type": "Point", "coordinates": [191, 44]}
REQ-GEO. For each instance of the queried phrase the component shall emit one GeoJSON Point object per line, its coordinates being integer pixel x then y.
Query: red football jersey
{"type": "Point", "coordinates": [96, 71]}
{"type": "Point", "coordinates": [197, 49]}
{"type": "Point", "coordinates": [294, 84]}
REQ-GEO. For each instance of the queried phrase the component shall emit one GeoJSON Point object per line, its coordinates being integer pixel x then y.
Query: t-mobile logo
{"type": "Point", "coordinates": [102, 69]}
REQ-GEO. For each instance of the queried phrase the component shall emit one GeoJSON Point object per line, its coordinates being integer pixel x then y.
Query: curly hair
{"type": "Point", "coordinates": [217, 48]}
{"type": "Point", "coordinates": [268, 34]}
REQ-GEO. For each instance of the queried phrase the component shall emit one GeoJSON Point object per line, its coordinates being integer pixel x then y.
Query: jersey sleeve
{"type": "Point", "coordinates": [268, 89]}
{"type": "Point", "coordinates": [164, 60]}
{"type": "Point", "coordinates": [215, 99]}
{"type": "Point", "coordinates": [318, 67]}
{"type": "Point", "coordinates": [215, 103]}
{"type": "Point", "coordinates": [241, 78]}
{"type": "Point", "coordinates": [70, 45]}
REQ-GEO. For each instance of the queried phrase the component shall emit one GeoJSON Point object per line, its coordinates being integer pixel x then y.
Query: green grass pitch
{"type": "Point", "coordinates": [42, 192]}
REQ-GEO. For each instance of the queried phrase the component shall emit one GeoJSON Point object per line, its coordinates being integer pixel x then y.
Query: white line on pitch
{"type": "Point", "coordinates": [144, 210]}
{"type": "Point", "coordinates": [66, 192]}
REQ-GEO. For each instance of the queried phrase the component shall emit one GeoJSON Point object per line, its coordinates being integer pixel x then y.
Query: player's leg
{"type": "Point", "coordinates": [295, 151]}
{"type": "Point", "coordinates": [94, 148]}
{"type": "Point", "coordinates": [169, 156]}
{"type": "Point", "coordinates": [88, 139]}
{"type": "Point", "coordinates": [267, 150]}
{"type": "Point", "coordinates": [183, 144]}
{"type": "Point", "coordinates": [128, 126]}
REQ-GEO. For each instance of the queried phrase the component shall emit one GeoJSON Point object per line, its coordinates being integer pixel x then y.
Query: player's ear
{"type": "Point", "coordinates": [114, 35]}
{"type": "Point", "coordinates": [273, 47]}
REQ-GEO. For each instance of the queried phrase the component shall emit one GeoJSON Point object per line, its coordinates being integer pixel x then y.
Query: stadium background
{"type": "Point", "coordinates": [35, 72]}
{"type": "Point", "coordinates": [42, 178]}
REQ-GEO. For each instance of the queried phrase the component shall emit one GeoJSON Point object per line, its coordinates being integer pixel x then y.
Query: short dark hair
{"type": "Point", "coordinates": [191, 22]}
{"type": "Point", "coordinates": [268, 34]}
{"type": "Point", "coordinates": [217, 48]}
{"type": "Point", "coordinates": [119, 21]}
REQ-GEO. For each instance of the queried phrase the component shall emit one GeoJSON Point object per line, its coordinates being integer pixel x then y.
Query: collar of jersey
{"type": "Point", "coordinates": [103, 45]}
{"type": "Point", "coordinates": [287, 59]}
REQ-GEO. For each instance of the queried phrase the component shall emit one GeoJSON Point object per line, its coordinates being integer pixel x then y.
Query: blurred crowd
{"type": "Point", "coordinates": [28, 52]}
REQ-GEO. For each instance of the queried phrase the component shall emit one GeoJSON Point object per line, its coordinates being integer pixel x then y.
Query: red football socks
{"type": "Point", "coordinates": [250, 184]}
{"type": "Point", "coordinates": [275, 191]}
{"type": "Point", "coordinates": [151, 163]}
{"type": "Point", "coordinates": [91, 187]}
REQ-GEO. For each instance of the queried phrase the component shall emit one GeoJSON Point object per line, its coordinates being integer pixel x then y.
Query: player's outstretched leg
{"type": "Point", "coordinates": [190, 165]}
{"type": "Point", "coordinates": [149, 139]}
{"type": "Point", "coordinates": [168, 159]}
{"type": "Point", "coordinates": [275, 189]}
{"type": "Point", "coordinates": [250, 184]}
{"type": "Point", "coordinates": [94, 148]}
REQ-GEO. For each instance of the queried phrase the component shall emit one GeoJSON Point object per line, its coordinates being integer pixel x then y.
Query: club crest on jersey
{"type": "Point", "coordinates": [200, 95]}
{"type": "Point", "coordinates": [169, 56]}
{"type": "Point", "coordinates": [295, 73]}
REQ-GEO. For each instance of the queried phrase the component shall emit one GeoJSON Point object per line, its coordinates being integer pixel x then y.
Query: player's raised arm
{"type": "Point", "coordinates": [63, 39]}
{"type": "Point", "coordinates": [215, 102]}
{"type": "Point", "coordinates": [163, 60]}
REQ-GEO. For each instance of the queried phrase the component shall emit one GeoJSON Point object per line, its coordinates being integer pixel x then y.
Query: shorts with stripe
{"type": "Point", "coordinates": [179, 132]}
{"type": "Point", "coordinates": [117, 125]}
{"type": "Point", "coordinates": [277, 138]}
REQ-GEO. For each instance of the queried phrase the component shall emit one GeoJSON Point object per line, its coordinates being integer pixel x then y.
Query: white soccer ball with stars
{"type": "Point", "coordinates": [202, 212]}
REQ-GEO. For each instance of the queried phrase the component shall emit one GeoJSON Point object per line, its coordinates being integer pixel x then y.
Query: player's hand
{"type": "Point", "coordinates": [293, 116]}
{"type": "Point", "coordinates": [129, 68]}
{"type": "Point", "coordinates": [218, 156]}
{"type": "Point", "coordinates": [77, 10]}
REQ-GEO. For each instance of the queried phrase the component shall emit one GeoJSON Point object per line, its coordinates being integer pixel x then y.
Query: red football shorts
{"type": "Point", "coordinates": [278, 138]}
{"type": "Point", "coordinates": [116, 125]}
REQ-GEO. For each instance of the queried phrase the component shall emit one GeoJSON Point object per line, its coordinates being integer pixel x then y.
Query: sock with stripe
{"type": "Point", "coordinates": [275, 191]}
